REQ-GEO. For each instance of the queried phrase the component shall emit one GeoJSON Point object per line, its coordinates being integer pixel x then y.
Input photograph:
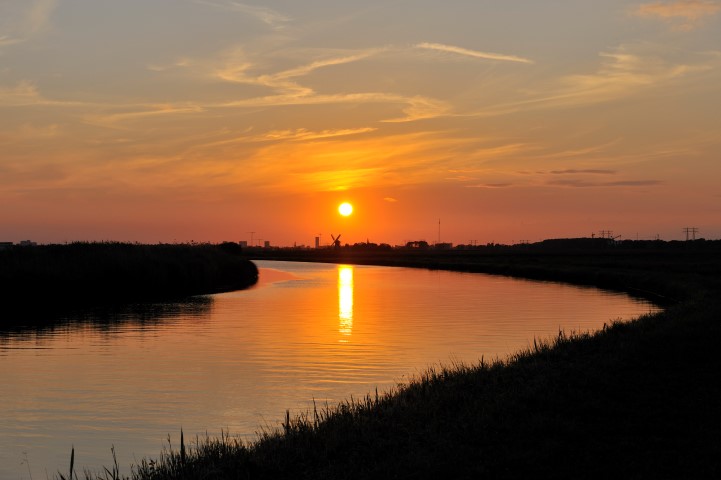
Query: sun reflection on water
{"type": "Point", "coordinates": [345, 300]}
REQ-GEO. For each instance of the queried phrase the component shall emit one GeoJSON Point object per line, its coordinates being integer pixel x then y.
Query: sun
{"type": "Point", "coordinates": [345, 209]}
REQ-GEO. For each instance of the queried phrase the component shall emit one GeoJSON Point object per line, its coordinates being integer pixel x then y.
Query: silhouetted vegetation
{"type": "Point", "coordinates": [52, 278]}
{"type": "Point", "coordinates": [655, 269]}
{"type": "Point", "coordinates": [635, 400]}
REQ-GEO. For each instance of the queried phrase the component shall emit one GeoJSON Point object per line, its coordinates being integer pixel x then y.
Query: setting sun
{"type": "Point", "coordinates": [345, 209]}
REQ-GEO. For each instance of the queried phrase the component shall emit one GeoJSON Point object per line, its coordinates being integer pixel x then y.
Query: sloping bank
{"type": "Point", "coordinates": [635, 400]}
{"type": "Point", "coordinates": [51, 278]}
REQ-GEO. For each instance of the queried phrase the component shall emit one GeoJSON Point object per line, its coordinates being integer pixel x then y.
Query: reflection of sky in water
{"type": "Point", "coordinates": [306, 332]}
{"type": "Point", "coordinates": [345, 300]}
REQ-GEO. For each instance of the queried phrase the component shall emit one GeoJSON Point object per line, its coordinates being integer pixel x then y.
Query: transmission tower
{"type": "Point", "coordinates": [690, 232]}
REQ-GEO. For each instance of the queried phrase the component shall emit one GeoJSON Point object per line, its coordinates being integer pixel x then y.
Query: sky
{"type": "Point", "coordinates": [504, 121]}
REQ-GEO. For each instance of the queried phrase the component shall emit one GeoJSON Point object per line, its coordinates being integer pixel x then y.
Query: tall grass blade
{"type": "Point", "coordinates": [182, 448]}
{"type": "Point", "coordinates": [72, 463]}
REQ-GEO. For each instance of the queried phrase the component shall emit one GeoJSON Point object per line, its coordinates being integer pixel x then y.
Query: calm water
{"type": "Point", "coordinates": [236, 361]}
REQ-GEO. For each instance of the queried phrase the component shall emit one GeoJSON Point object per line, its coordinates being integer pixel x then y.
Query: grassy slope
{"type": "Point", "coordinates": [637, 400]}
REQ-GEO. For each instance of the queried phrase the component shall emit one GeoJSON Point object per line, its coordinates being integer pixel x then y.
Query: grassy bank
{"type": "Point", "coordinates": [635, 400]}
{"type": "Point", "coordinates": [51, 278]}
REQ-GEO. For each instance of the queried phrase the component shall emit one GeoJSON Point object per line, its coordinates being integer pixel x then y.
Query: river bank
{"type": "Point", "coordinates": [38, 282]}
{"type": "Point", "coordinates": [635, 400]}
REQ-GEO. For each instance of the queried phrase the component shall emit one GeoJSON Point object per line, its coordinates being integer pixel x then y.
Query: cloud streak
{"type": "Point", "coordinates": [491, 185]}
{"type": "Point", "coordinates": [624, 72]}
{"type": "Point", "coordinates": [310, 67]}
{"type": "Point", "coordinates": [19, 24]}
{"type": "Point", "coordinates": [685, 14]}
{"type": "Point", "coordinates": [297, 135]}
{"type": "Point", "coordinates": [151, 111]}
{"type": "Point", "coordinates": [303, 134]}
{"type": "Point", "coordinates": [589, 171]}
{"type": "Point", "coordinates": [238, 69]}
{"type": "Point", "coordinates": [268, 16]}
{"type": "Point", "coordinates": [472, 53]}
{"type": "Point", "coordinates": [6, 41]}
{"type": "Point", "coordinates": [26, 94]}
{"type": "Point", "coordinates": [575, 183]}
{"type": "Point", "coordinates": [357, 162]}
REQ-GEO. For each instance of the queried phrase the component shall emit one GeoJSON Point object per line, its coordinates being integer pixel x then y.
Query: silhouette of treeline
{"type": "Point", "coordinates": [598, 262]}
{"type": "Point", "coordinates": [52, 277]}
{"type": "Point", "coordinates": [635, 400]}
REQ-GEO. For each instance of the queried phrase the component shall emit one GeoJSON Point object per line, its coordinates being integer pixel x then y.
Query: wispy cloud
{"type": "Point", "coordinates": [577, 183]}
{"type": "Point", "coordinates": [23, 94]}
{"type": "Point", "coordinates": [39, 14]}
{"type": "Point", "coordinates": [6, 40]}
{"type": "Point", "coordinates": [623, 72]}
{"type": "Point", "coordinates": [472, 53]}
{"type": "Point", "coordinates": [144, 112]}
{"type": "Point", "coordinates": [303, 134]}
{"type": "Point", "coordinates": [288, 88]}
{"type": "Point", "coordinates": [419, 108]}
{"type": "Point", "coordinates": [239, 68]}
{"type": "Point", "coordinates": [490, 185]}
{"type": "Point", "coordinates": [179, 63]}
{"type": "Point", "coordinates": [589, 171]}
{"type": "Point", "coordinates": [627, 71]}
{"type": "Point", "coordinates": [416, 107]}
{"type": "Point", "coordinates": [20, 21]}
{"type": "Point", "coordinates": [266, 15]}
{"type": "Point", "coordinates": [310, 67]}
{"type": "Point", "coordinates": [29, 132]}
{"type": "Point", "coordinates": [683, 14]}
{"type": "Point", "coordinates": [296, 135]}
{"type": "Point", "coordinates": [326, 165]}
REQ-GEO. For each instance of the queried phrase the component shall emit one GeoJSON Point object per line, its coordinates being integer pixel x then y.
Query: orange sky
{"type": "Point", "coordinates": [204, 120]}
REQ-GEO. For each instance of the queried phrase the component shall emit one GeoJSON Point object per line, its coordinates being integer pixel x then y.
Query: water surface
{"type": "Point", "coordinates": [237, 361]}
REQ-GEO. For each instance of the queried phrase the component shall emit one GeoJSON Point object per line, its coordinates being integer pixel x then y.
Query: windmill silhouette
{"type": "Point", "coordinates": [336, 240]}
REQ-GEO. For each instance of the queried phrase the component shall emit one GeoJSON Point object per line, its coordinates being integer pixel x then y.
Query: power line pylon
{"type": "Point", "coordinates": [690, 232]}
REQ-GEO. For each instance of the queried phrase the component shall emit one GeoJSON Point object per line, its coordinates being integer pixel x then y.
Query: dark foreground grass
{"type": "Point", "coordinates": [635, 400]}
{"type": "Point", "coordinates": [51, 278]}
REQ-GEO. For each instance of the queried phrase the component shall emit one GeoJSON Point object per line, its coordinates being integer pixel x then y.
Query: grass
{"type": "Point", "coordinates": [634, 400]}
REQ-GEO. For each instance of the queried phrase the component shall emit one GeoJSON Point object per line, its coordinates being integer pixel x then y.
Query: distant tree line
{"type": "Point", "coordinates": [85, 274]}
